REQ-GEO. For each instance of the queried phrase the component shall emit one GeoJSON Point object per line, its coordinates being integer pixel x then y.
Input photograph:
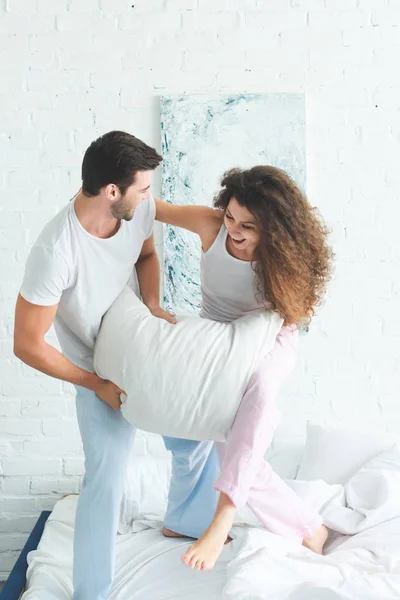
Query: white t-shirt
{"type": "Point", "coordinates": [84, 274]}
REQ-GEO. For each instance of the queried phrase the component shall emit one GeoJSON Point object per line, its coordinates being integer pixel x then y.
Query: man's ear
{"type": "Point", "coordinates": [112, 192]}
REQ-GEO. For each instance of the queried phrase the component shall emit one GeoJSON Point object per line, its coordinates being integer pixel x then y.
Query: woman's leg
{"type": "Point", "coordinates": [244, 476]}
{"type": "Point", "coordinates": [204, 553]}
{"type": "Point", "coordinates": [280, 509]}
{"type": "Point", "coordinates": [256, 420]}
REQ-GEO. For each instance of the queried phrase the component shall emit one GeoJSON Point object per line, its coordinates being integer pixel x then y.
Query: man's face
{"type": "Point", "coordinates": [124, 208]}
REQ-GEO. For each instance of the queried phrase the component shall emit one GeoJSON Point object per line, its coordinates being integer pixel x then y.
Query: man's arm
{"type": "Point", "coordinates": [32, 322]}
{"type": "Point", "coordinates": [148, 270]}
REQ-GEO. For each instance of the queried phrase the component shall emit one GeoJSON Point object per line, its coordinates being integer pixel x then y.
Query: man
{"type": "Point", "coordinates": [80, 263]}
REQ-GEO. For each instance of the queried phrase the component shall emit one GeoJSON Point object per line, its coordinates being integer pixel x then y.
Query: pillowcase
{"type": "Point", "coordinates": [185, 380]}
{"type": "Point", "coordinates": [334, 453]}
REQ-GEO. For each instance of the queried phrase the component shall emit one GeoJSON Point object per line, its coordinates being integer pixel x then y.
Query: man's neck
{"type": "Point", "coordinates": [94, 217]}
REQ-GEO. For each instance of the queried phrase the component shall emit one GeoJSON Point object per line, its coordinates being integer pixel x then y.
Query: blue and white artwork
{"type": "Point", "coordinates": [202, 137]}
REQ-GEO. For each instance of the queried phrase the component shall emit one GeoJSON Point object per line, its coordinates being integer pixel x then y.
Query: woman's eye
{"type": "Point", "coordinates": [228, 217]}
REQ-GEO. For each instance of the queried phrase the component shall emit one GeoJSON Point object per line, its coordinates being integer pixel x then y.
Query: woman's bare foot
{"type": "Point", "coordinates": [317, 540]}
{"type": "Point", "coordinates": [174, 534]}
{"type": "Point", "coordinates": [203, 554]}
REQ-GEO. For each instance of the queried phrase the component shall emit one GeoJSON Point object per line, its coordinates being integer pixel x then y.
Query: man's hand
{"type": "Point", "coordinates": [109, 393]}
{"type": "Point", "coordinates": [163, 314]}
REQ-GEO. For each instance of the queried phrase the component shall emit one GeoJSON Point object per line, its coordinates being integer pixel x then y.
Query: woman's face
{"type": "Point", "coordinates": [242, 228]}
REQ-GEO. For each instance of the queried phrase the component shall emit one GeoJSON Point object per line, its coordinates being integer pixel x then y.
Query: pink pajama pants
{"type": "Point", "coordinates": [244, 474]}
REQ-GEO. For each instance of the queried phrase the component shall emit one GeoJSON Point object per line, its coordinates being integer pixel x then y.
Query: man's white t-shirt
{"type": "Point", "coordinates": [83, 274]}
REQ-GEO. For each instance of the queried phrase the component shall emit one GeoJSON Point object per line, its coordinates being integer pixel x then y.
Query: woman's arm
{"type": "Point", "coordinates": [197, 219]}
{"type": "Point", "coordinates": [148, 272]}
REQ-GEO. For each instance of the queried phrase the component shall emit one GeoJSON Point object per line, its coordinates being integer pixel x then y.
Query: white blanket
{"type": "Point", "coordinates": [184, 380]}
{"type": "Point", "coordinates": [362, 559]}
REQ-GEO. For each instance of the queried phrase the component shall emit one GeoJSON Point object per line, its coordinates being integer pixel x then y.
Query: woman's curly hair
{"type": "Point", "coordinates": [293, 260]}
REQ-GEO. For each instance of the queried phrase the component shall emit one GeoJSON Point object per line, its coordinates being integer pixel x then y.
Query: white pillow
{"type": "Point", "coordinates": [334, 453]}
{"type": "Point", "coordinates": [284, 456]}
{"type": "Point", "coordinates": [146, 488]}
{"type": "Point", "coordinates": [185, 380]}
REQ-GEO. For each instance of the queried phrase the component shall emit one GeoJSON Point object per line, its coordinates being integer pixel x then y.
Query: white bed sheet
{"type": "Point", "coordinates": [362, 559]}
{"type": "Point", "coordinates": [148, 565]}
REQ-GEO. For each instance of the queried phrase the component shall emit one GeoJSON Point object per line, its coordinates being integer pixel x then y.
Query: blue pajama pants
{"type": "Point", "coordinates": [107, 440]}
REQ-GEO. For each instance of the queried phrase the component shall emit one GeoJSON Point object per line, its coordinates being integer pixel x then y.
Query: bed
{"type": "Point", "coordinates": [361, 559]}
{"type": "Point", "coordinates": [15, 583]}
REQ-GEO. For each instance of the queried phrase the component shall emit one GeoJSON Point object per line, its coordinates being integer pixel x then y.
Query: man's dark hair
{"type": "Point", "coordinates": [116, 157]}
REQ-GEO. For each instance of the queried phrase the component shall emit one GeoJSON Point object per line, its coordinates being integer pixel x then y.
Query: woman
{"type": "Point", "coordinates": [264, 246]}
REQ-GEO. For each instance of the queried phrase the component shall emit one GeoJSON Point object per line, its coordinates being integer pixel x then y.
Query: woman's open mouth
{"type": "Point", "coordinates": [237, 242]}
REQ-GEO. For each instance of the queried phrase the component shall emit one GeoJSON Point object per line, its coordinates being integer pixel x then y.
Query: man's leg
{"type": "Point", "coordinates": [192, 499]}
{"type": "Point", "coordinates": [107, 440]}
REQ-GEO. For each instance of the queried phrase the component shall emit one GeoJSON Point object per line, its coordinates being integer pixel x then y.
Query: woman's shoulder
{"type": "Point", "coordinates": [211, 228]}
{"type": "Point", "coordinates": [212, 215]}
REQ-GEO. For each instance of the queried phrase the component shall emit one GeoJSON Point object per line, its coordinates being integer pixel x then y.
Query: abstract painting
{"type": "Point", "coordinates": [202, 137]}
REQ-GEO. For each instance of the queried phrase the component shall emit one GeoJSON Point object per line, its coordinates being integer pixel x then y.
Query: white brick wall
{"type": "Point", "coordinates": [71, 70]}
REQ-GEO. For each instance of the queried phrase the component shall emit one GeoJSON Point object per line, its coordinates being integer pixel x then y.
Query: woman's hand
{"type": "Point", "coordinates": [157, 311]}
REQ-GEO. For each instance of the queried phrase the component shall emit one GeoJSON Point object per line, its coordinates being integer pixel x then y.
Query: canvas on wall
{"type": "Point", "coordinates": [202, 137]}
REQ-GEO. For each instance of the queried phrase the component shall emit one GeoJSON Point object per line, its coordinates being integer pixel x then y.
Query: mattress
{"type": "Point", "coordinates": [361, 560]}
